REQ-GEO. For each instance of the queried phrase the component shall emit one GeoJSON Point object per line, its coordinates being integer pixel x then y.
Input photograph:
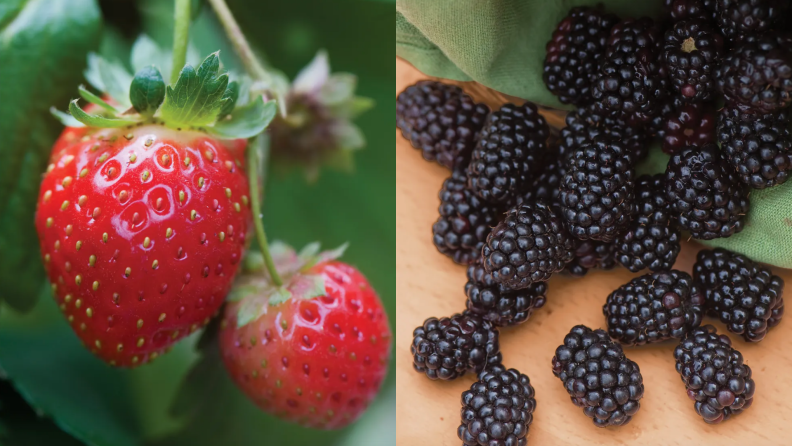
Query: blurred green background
{"type": "Point", "coordinates": [52, 391]}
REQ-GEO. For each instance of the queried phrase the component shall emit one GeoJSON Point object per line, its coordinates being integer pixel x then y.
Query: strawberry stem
{"type": "Point", "coordinates": [261, 146]}
{"type": "Point", "coordinates": [181, 32]}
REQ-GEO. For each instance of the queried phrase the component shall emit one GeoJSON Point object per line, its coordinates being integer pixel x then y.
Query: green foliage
{"type": "Point", "coordinates": [197, 97]}
{"type": "Point", "coordinates": [43, 44]}
{"type": "Point", "coordinates": [246, 121]}
{"type": "Point", "coordinates": [147, 91]}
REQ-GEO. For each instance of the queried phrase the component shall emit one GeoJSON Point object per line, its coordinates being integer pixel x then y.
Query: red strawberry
{"type": "Point", "coordinates": [314, 351]}
{"type": "Point", "coordinates": [142, 230]}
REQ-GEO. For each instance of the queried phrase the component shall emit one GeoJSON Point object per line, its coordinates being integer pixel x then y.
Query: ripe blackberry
{"type": "Point", "coordinates": [511, 147]}
{"type": "Point", "coordinates": [653, 307]}
{"type": "Point", "coordinates": [574, 53]}
{"type": "Point", "coordinates": [691, 9]}
{"type": "Point", "coordinates": [688, 126]}
{"type": "Point", "coordinates": [691, 52]}
{"type": "Point", "coordinates": [744, 295]}
{"type": "Point", "coordinates": [714, 374]}
{"type": "Point", "coordinates": [586, 123]}
{"type": "Point", "coordinates": [528, 246]}
{"type": "Point", "coordinates": [498, 409]}
{"type": "Point", "coordinates": [544, 186]}
{"type": "Point", "coordinates": [758, 146]}
{"type": "Point", "coordinates": [632, 82]}
{"type": "Point", "coordinates": [740, 18]}
{"type": "Point", "coordinates": [464, 222]}
{"type": "Point", "coordinates": [651, 241]}
{"type": "Point", "coordinates": [590, 254]}
{"type": "Point", "coordinates": [757, 74]}
{"type": "Point", "coordinates": [498, 304]}
{"type": "Point", "coordinates": [656, 126]}
{"type": "Point", "coordinates": [448, 347]}
{"type": "Point", "coordinates": [440, 120]}
{"type": "Point", "coordinates": [705, 195]}
{"type": "Point", "coordinates": [597, 195]}
{"type": "Point", "coordinates": [598, 377]}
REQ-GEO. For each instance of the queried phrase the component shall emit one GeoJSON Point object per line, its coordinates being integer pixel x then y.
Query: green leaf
{"type": "Point", "coordinates": [43, 46]}
{"type": "Point", "coordinates": [340, 87]}
{"type": "Point", "coordinates": [109, 77]}
{"type": "Point", "coordinates": [307, 286]}
{"type": "Point", "coordinates": [97, 120]}
{"type": "Point", "coordinates": [231, 95]}
{"type": "Point", "coordinates": [352, 108]}
{"type": "Point", "coordinates": [251, 308]}
{"type": "Point", "coordinates": [146, 52]}
{"type": "Point", "coordinates": [243, 291]}
{"type": "Point", "coordinates": [65, 118]}
{"type": "Point", "coordinates": [279, 296]}
{"type": "Point", "coordinates": [94, 99]}
{"type": "Point", "coordinates": [246, 121]}
{"type": "Point", "coordinates": [147, 91]}
{"type": "Point", "coordinates": [311, 78]}
{"type": "Point", "coordinates": [197, 97]}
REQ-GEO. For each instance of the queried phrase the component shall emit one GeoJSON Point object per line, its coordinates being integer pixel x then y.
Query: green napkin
{"type": "Point", "coordinates": [501, 44]}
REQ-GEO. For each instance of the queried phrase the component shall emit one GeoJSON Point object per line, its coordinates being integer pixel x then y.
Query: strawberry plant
{"type": "Point", "coordinates": [147, 208]}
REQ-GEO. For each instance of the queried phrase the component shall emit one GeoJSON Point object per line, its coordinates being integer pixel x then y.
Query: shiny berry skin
{"type": "Point", "coordinates": [689, 125]}
{"type": "Point", "coordinates": [141, 231]}
{"type": "Point", "coordinates": [318, 362]}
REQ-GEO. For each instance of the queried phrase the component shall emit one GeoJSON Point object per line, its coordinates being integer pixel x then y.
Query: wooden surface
{"type": "Point", "coordinates": [429, 284]}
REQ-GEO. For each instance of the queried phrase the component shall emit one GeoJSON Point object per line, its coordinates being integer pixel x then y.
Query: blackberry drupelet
{"type": "Point", "coordinates": [544, 186]}
{"type": "Point", "coordinates": [498, 409]}
{"type": "Point", "coordinates": [757, 145]}
{"type": "Point", "coordinates": [586, 123]}
{"type": "Point", "coordinates": [597, 196]}
{"type": "Point", "coordinates": [691, 9]}
{"type": "Point", "coordinates": [691, 53]}
{"type": "Point", "coordinates": [651, 241]}
{"type": "Point", "coordinates": [704, 193]}
{"type": "Point", "coordinates": [744, 295]}
{"type": "Point", "coordinates": [440, 120]}
{"type": "Point", "coordinates": [740, 18]}
{"type": "Point", "coordinates": [498, 304]}
{"type": "Point", "coordinates": [632, 81]}
{"type": "Point", "coordinates": [656, 126]}
{"type": "Point", "coordinates": [574, 53]}
{"type": "Point", "coordinates": [528, 246]}
{"type": "Point", "coordinates": [464, 222]}
{"type": "Point", "coordinates": [598, 377]}
{"type": "Point", "coordinates": [653, 307]}
{"type": "Point", "coordinates": [688, 126]}
{"type": "Point", "coordinates": [511, 147]}
{"type": "Point", "coordinates": [757, 74]}
{"type": "Point", "coordinates": [590, 254]}
{"type": "Point", "coordinates": [448, 347]}
{"type": "Point", "coordinates": [714, 374]}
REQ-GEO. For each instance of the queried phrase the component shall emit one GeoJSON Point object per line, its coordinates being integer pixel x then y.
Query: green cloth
{"type": "Point", "coordinates": [501, 44]}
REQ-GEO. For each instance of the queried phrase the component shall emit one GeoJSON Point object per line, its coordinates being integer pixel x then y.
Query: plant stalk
{"type": "Point", "coordinates": [260, 145]}
{"type": "Point", "coordinates": [252, 65]}
{"type": "Point", "coordinates": [181, 34]}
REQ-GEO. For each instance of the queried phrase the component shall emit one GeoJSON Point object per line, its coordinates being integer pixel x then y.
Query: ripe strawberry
{"type": "Point", "coordinates": [142, 231]}
{"type": "Point", "coordinates": [142, 218]}
{"type": "Point", "coordinates": [314, 351]}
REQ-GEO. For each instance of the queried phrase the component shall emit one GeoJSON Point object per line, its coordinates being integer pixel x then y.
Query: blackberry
{"type": "Point", "coordinates": [691, 9]}
{"type": "Point", "coordinates": [632, 82]}
{"type": "Point", "coordinates": [688, 126]}
{"type": "Point", "coordinates": [691, 52]}
{"type": "Point", "coordinates": [544, 186]}
{"type": "Point", "coordinates": [744, 295]}
{"type": "Point", "coordinates": [528, 246]}
{"type": "Point", "coordinates": [714, 374]}
{"type": "Point", "coordinates": [498, 409]}
{"type": "Point", "coordinates": [511, 147]}
{"type": "Point", "coordinates": [739, 18]}
{"type": "Point", "coordinates": [758, 146]}
{"type": "Point", "coordinates": [440, 120]}
{"type": "Point", "coordinates": [656, 126]}
{"type": "Point", "coordinates": [705, 196]}
{"type": "Point", "coordinates": [597, 195]}
{"type": "Point", "coordinates": [652, 241]}
{"type": "Point", "coordinates": [586, 123]}
{"type": "Point", "coordinates": [464, 222]}
{"type": "Point", "coordinates": [757, 74]}
{"type": "Point", "coordinates": [653, 307]}
{"type": "Point", "coordinates": [448, 347]}
{"type": "Point", "coordinates": [574, 53]}
{"type": "Point", "coordinates": [498, 304]}
{"type": "Point", "coordinates": [590, 254]}
{"type": "Point", "coordinates": [598, 377]}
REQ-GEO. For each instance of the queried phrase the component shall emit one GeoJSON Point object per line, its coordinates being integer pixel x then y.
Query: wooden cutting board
{"type": "Point", "coordinates": [429, 284]}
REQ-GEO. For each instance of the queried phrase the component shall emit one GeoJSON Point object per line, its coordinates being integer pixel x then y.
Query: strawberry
{"type": "Point", "coordinates": [143, 218]}
{"type": "Point", "coordinates": [314, 351]}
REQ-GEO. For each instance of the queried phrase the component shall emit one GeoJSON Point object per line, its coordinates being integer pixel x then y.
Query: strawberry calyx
{"type": "Point", "coordinates": [256, 290]}
{"type": "Point", "coordinates": [201, 99]}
